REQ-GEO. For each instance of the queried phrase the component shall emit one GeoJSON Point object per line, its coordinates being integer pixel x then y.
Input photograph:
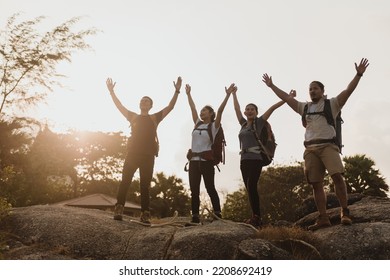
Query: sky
{"type": "Point", "coordinates": [145, 45]}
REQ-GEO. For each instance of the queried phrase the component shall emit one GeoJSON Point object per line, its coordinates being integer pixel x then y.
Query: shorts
{"type": "Point", "coordinates": [321, 158]}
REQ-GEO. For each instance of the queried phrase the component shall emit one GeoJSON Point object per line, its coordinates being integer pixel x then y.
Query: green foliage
{"type": "Point", "coordinates": [14, 143]}
{"type": "Point", "coordinates": [5, 207]}
{"type": "Point", "coordinates": [282, 190]}
{"type": "Point", "coordinates": [236, 206]}
{"type": "Point", "coordinates": [53, 167]}
{"type": "Point", "coordinates": [28, 59]}
{"type": "Point", "coordinates": [168, 195]}
{"type": "Point", "coordinates": [361, 176]}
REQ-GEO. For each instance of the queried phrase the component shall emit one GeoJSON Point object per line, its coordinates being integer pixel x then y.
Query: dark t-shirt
{"type": "Point", "coordinates": [248, 139]}
{"type": "Point", "coordinates": [143, 139]}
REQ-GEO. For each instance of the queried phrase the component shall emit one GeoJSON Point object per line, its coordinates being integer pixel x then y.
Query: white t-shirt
{"type": "Point", "coordinates": [201, 140]}
{"type": "Point", "coordinates": [317, 127]}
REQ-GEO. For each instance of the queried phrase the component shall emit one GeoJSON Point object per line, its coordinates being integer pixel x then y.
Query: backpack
{"type": "Point", "coordinates": [218, 144]}
{"type": "Point", "coordinates": [266, 142]}
{"type": "Point", "coordinates": [327, 113]}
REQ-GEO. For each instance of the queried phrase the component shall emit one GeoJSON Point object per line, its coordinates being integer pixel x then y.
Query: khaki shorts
{"type": "Point", "coordinates": [321, 158]}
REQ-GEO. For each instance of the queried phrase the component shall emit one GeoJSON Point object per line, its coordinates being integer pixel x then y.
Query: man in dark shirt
{"type": "Point", "coordinates": [142, 147]}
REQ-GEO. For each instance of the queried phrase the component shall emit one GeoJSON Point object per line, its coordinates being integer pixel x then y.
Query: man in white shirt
{"type": "Point", "coordinates": [321, 151]}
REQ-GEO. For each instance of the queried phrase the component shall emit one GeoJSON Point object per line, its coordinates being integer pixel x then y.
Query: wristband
{"type": "Point", "coordinates": [360, 75]}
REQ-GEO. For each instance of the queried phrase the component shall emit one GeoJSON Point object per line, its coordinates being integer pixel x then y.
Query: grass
{"type": "Point", "coordinates": [300, 243]}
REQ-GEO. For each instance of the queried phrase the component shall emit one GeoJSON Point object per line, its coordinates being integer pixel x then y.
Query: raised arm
{"type": "Point", "coordinates": [228, 91]}
{"type": "Point", "coordinates": [172, 103]}
{"type": "Point", "coordinates": [271, 109]}
{"type": "Point", "coordinates": [291, 101]}
{"type": "Point", "coordinates": [191, 103]}
{"type": "Point", "coordinates": [237, 108]}
{"type": "Point", "coordinates": [345, 94]}
{"type": "Point", "coordinates": [110, 86]}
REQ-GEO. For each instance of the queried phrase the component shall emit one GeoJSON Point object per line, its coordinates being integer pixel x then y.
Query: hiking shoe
{"type": "Point", "coordinates": [254, 221]}
{"type": "Point", "coordinates": [118, 212]}
{"type": "Point", "coordinates": [195, 220]}
{"type": "Point", "coordinates": [321, 222]}
{"type": "Point", "coordinates": [345, 217]}
{"type": "Point", "coordinates": [145, 217]}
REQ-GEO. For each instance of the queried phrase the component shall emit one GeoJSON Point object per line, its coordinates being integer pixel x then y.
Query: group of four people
{"type": "Point", "coordinates": [321, 152]}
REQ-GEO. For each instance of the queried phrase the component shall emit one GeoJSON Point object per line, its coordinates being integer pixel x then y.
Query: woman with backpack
{"type": "Point", "coordinates": [252, 158]}
{"type": "Point", "coordinates": [200, 156]}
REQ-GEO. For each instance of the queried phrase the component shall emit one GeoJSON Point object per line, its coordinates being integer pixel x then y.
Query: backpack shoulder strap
{"type": "Point", "coordinates": [304, 122]}
{"type": "Point", "coordinates": [198, 124]}
{"type": "Point", "coordinates": [328, 113]}
{"type": "Point", "coordinates": [209, 131]}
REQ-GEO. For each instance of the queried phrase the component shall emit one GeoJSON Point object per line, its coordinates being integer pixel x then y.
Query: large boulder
{"type": "Point", "coordinates": [61, 232]}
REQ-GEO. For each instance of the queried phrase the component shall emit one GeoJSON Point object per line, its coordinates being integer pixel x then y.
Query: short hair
{"type": "Point", "coordinates": [254, 105]}
{"type": "Point", "coordinates": [321, 85]}
{"type": "Point", "coordinates": [151, 101]}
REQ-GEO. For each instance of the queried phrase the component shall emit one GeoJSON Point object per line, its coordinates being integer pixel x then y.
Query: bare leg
{"type": "Point", "coordinates": [341, 189]}
{"type": "Point", "coordinates": [319, 197]}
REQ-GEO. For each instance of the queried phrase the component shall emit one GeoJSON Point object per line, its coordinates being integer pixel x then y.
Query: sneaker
{"type": "Point", "coordinates": [195, 219]}
{"type": "Point", "coordinates": [145, 217]}
{"type": "Point", "coordinates": [118, 212]}
{"type": "Point", "coordinates": [254, 221]}
{"type": "Point", "coordinates": [345, 217]}
{"type": "Point", "coordinates": [322, 222]}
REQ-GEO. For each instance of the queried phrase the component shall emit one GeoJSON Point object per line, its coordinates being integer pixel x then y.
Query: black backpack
{"type": "Point", "coordinates": [327, 113]}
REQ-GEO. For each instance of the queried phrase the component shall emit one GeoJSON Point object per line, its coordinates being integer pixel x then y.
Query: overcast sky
{"type": "Point", "coordinates": [144, 45]}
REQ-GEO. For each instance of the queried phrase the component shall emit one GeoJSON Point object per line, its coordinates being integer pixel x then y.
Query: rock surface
{"type": "Point", "coordinates": [58, 232]}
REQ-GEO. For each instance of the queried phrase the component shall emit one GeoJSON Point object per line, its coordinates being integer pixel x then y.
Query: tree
{"type": "Point", "coordinates": [69, 165]}
{"type": "Point", "coordinates": [168, 195]}
{"type": "Point", "coordinates": [51, 168]}
{"type": "Point", "coordinates": [236, 206]}
{"type": "Point", "coordinates": [28, 59]}
{"type": "Point", "coordinates": [361, 176]}
{"type": "Point", "coordinates": [282, 190]}
{"type": "Point", "coordinates": [14, 143]}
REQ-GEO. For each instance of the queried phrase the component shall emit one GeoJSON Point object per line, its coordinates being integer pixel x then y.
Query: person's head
{"type": "Point", "coordinates": [207, 113]}
{"type": "Point", "coordinates": [316, 91]}
{"type": "Point", "coordinates": [146, 103]}
{"type": "Point", "coordinates": [251, 111]}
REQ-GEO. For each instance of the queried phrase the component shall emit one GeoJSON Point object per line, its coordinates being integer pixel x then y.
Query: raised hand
{"type": "Point", "coordinates": [267, 80]}
{"type": "Point", "coordinates": [293, 93]}
{"type": "Point", "coordinates": [231, 89]}
{"type": "Point", "coordinates": [188, 89]}
{"type": "Point", "coordinates": [110, 85]}
{"type": "Point", "coordinates": [177, 84]}
{"type": "Point", "coordinates": [361, 68]}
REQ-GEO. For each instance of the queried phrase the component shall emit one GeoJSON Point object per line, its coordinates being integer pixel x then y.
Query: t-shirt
{"type": "Point", "coordinates": [247, 138]}
{"type": "Point", "coordinates": [317, 127]}
{"type": "Point", "coordinates": [143, 138]}
{"type": "Point", "coordinates": [201, 139]}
